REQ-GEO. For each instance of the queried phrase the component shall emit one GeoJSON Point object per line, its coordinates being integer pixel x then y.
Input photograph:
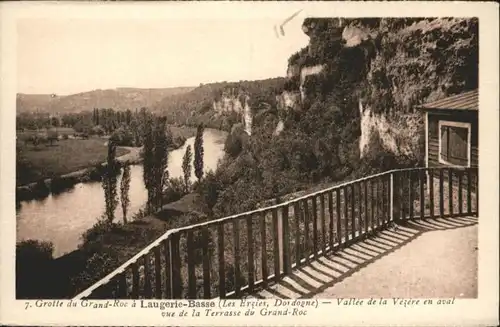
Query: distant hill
{"type": "Point", "coordinates": [118, 99]}
{"type": "Point", "coordinates": [198, 106]}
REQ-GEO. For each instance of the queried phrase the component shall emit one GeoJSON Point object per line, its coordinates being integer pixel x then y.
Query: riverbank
{"type": "Point", "coordinates": [63, 182]}
{"type": "Point", "coordinates": [84, 153]}
{"type": "Point", "coordinates": [110, 246]}
{"type": "Point", "coordinates": [74, 270]}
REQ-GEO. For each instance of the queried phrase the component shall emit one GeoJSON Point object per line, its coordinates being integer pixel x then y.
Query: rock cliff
{"type": "Point", "coordinates": [388, 66]}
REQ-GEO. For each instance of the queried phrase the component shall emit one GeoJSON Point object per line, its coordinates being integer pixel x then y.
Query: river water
{"type": "Point", "coordinates": [62, 218]}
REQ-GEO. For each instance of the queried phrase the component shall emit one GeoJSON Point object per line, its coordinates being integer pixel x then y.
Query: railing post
{"type": "Point", "coordinates": [469, 191]}
{"type": "Point", "coordinates": [168, 264]}
{"type": "Point", "coordinates": [430, 176]}
{"type": "Point", "coordinates": [297, 213]}
{"type": "Point", "coordinates": [477, 192]}
{"type": "Point", "coordinates": [250, 248]}
{"type": "Point", "coordinates": [220, 254]}
{"type": "Point", "coordinates": [263, 248]}
{"type": "Point", "coordinates": [175, 266]}
{"type": "Point", "coordinates": [135, 281]}
{"type": "Point", "coordinates": [148, 292]}
{"type": "Point", "coordinates": [421, 182]}
{"type": "Point", "coordinates": [191, 265]}
{"type": "Point", "coordinates": [158, 289]}
{"type": "Point", "coordinates": [391, 196]}
{"type": "Point", "coordinates": [276, 248]}
{"type": "Point", "coordinates": [237, 257]}
{"type": "Point", "coordinates": [315, 225]}
{"type": "Point", "coordinates": [206, 263]}
{"type": "Point", "coordinates": [122, 285]}
{"type": "Point", "coordinates": [287, 260]}
{"type": "Point", "coordinates": [395, 197]}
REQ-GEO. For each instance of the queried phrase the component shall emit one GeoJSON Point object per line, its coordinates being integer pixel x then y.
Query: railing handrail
{"type": "Point", "coordinates": [173, 231]}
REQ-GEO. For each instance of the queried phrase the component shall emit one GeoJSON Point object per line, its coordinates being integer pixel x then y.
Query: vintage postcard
{"type": "Point", "coordinates": [249, 163]}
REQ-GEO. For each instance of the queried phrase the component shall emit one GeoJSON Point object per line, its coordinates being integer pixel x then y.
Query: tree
{"type": "Point", "coordinates": [109, 182]}
{"type": "Point", "coordinates": [161, 144]}
{"type": "Point", "coordinates": [128, 116]}
{"type": "Point", "coordinates": [148, 163]}
{"type": "Point", "coordinates": [155, 160]}
{"type": "Point", "coordinates": [209, 191]}
{"type": "Point", "coordinates": [124, 191]}
{"type": "Point", "coordinates": [198, 153]}
{"type": "Point", "coordinates": [52, 136]}
{"type": "Point", "coordinates": [186, 167]}
{"type": "Point", "coordinates": [54, 122]}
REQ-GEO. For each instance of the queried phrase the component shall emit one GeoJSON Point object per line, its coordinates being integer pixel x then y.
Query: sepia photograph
{"type": "Point", "coordinates": [299, 156]}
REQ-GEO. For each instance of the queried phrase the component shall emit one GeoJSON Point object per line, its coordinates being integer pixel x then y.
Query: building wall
{"type": "Point", "coordinates": [433, 134]}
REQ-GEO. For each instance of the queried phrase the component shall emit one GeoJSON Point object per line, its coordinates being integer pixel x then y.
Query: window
{"type": "Point", "coordinates": [454, 143]}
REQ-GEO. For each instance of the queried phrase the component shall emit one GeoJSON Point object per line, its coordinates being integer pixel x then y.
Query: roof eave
{"type": "Point", "coordinates": [445, 109]}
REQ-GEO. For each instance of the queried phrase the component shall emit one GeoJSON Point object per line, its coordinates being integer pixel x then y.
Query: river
{"type": "Point", "coordinates": [62, 218]}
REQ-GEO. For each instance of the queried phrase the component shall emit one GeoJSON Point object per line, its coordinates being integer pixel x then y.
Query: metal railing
{"type": "Point", "coordinates": [237, 254]}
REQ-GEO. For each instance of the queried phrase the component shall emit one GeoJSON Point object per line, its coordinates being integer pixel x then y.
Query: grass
{"type": "Point", "coordinates": [60, 130]}
{"type": "Point", "coordinates": [65, 156]}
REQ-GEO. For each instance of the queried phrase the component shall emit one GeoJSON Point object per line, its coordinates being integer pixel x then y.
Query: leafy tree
{"type": "Point", "coordinates": [148, 162]}
{"type": "Point", "coordinates": [209, 190]}
{"type": "Point", "coordinates": [128, 117]}
{"type": "Point", "coordinates": [161, 144]}
{"type": "Point", "coordinates": [54, 122]}
{"type": "Point", "coordinates": [198, 153]}
{"type": "Point", "coordinates": [124, 191]}
{"type": "Point", "coordinates": [233, 145]}
{"type": "Point", "coordinates": [155, 160]}
{"type": "Point", "coordinates": [52, 136]}
{"type": "Point", "coordinates": [109, 182]}
{"type": "Point", "coordinates": [186, 167]}
{"type": "Point", "coordinates": [33, 260]}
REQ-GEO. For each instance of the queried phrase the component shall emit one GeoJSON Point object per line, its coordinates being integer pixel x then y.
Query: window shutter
{"type": "Point", "coordinates": [458, 147]}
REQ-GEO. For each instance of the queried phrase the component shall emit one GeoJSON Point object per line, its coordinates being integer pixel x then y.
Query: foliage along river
{"type": "Point", "coordinates": [63, 218]}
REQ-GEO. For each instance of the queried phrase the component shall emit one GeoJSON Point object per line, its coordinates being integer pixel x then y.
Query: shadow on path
{"type": "Point", "coordinates": [312, 279]}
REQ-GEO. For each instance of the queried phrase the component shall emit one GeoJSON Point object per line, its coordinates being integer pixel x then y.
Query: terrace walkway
{"type": "Point", "coordinates": [425, 258]}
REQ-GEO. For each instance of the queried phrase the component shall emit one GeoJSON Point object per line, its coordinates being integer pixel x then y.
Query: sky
{"type": "Point", "coordinates": [66, 56]}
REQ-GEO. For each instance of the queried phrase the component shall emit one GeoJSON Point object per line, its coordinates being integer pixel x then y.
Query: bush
{"type": "Point", "coordinates": [122, 137]}
{"type": "Point", "coordinates": [96, 172]}
{"type": "Point", "coordinates": [97, 130]}
{"type": "Point", "coordinates": [139, 214]}
{"type": "Point", "coordinates": [52, 136]}
{"type": "Point", "coordinates": [33, 264]}
{"type": "Point", "coordinates": [209, 189]}
{"type": "Point", "coordinates": [96, 267]}
{"type": "Point", "coordinates": [60, 184]}
{"type": "Point", "coordinates": [233, 145]}
{"type": "Point", "coordinates": [92, 236]}
{"type": "Point", "coordinates": [178, 141]}
{"type": "Point", "coordinates": [40, 189]}
{"type": "Point", "coordinates": [174, 190]}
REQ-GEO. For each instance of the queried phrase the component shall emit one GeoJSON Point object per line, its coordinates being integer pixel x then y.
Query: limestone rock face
{"type": "Point", "coordinates": [238, 103]}
{"type": "Point", "coordinates": [402, 62]}
{"type": "Point", "coordinates": [288, 100]}
{"type": "Point", "coordinates": [305, 72]}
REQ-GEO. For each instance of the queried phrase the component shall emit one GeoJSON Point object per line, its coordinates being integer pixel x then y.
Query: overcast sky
{"type": "Point", "coordinates": [71, 56]}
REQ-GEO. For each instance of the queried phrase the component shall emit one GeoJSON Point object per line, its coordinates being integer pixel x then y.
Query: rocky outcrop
{"type": "Point", "coordinates": [401, 62]}
{"type": "Point", "coordinates": [238, 103]}
{"type": "Point", "coordinates": [304, 73]}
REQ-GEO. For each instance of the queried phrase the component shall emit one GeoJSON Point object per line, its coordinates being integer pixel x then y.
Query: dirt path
{"type": "Point", "coordinates": [435, 258]}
